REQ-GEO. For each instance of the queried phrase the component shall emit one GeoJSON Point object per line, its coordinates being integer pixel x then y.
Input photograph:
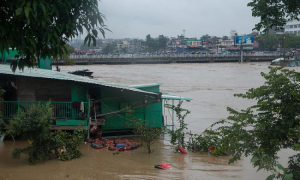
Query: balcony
{"type": "Point", "coordinates": [64, 113]}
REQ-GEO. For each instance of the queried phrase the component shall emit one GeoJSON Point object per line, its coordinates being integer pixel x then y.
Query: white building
{"type": "Point", "coordinates": [292, 26]}
{"type": "Point", "coordinates": [233, 33]}
{"type": "Point", "coordinates": [227, 43]}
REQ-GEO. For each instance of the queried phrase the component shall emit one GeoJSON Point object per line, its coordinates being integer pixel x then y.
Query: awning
{"type": "Point", "coordinates": [174, 97]}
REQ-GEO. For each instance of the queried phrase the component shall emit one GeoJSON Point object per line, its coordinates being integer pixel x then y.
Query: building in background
{"type": "Point", "coordinates": [135, 46]}
{"type": "Point", "coordinates": [292, 26]}
{"type": "Point", "coordinates": [233, 33]}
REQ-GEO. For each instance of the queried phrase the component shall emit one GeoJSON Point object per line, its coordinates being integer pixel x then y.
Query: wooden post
{"type": "Point", "coordinates": [172, 115]}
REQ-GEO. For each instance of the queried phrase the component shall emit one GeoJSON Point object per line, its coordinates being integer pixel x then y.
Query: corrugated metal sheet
{"type": "Point", "coordinates": [144, 85]}
{"type": "Point", "coordinates": [174, 97]}
{"type": "Point", "coordinates": [48, 74]}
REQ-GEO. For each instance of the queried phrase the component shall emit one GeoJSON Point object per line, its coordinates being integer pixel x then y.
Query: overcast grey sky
{"type": "Point", "coordinates": [137, 18]}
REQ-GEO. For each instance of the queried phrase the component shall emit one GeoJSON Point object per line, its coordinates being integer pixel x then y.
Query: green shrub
{"type": "Point", "coordinates": [69, 144]}
{"type": "Point", "coordinates": [35, 125]}
{"type": "Point", "coordinates": [147, 133]}
{"type": "Point", "coordinates": [177, 136]}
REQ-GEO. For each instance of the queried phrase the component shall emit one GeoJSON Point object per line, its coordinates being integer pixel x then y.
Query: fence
{"type": "Point", "coordinates": [60, 110]}
{"type": "Point", "coordinates": [166, 56]}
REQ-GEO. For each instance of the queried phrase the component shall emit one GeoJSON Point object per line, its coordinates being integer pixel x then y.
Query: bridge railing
{"type": "Point", "coordinates": [168, 56]}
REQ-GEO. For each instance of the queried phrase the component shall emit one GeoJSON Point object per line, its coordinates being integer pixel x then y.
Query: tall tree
{"type": "Point", "coordinates": [269, 126]}
{"type": "Point", "coordinates": [70, 48]}
{"type": "Point", "coordinates": [272, 41]}
{"type": "Point", "coordinates": [162, 41]}
{"type": "Point", "coordinates": [205, 37]}
{"type": "Point", "coordinates": [274, 13]}
{"type": "Point", "coordinates": [159, 43]}
{"type": "Point", "coordinates": [268, 42]}
{"type": "Point", "coordinates": [109, 48]}
{"type": "Point", "coordinates": [40, 28]}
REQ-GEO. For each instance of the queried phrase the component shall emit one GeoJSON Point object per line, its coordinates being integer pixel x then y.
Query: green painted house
{"type": "Point", "coordinates": [12, 55]}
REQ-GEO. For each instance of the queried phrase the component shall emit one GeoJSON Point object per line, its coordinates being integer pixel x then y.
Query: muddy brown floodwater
{"type": "Point", "coordinates": [210, 85]}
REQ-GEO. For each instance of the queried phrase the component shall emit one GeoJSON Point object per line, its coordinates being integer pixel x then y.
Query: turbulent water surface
{"type": "Point", "coordinates": [211, 86]}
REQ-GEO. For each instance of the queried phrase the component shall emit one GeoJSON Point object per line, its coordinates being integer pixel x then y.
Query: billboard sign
{"type": "Point", "coordinates": [244, 40]}
{"type": "Point", "coordinates": [194, 44]}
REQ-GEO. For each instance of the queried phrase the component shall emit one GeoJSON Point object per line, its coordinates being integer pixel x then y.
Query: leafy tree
{"type": "Point", "coordinates": [205, 37]}
{"type": "Point", "coordinates": [109, 48]}
{"type": "Point", "coordinates": [151, 44]}
{"type": "Point", "coordinates": [34, 125]}
{"type": "Point", "coordinates": [269, 126]}
{"type": "Point", "coordinates": [162, 42]}
{"type": "Point", "coordinates": [272, 41]}
{"type": "Point", "coordinates": [124, 50]}
{"type": "Point", "coordinates": [70, 49]}
{"type": "Point", "coordinates": [292, 41]}
{"type": "Point", "coordinates": [274, 13]}
{"type": "Point", "coordinates": [148, 38]}
{"type": "Point", "coordinates": [147, 133]}
{"type": "Point", "coordinates": [69, 144]}
{"type": "Point", "coordinates": [268, 42]}
{"type": "Point", "coordinates": [177, 136]}
{"type": "Point", "coordinates": [65, 56]}
{"type": "Point", "coordinates": [41, 28]}
{"type": "Point", "coordinates": [157, 44]}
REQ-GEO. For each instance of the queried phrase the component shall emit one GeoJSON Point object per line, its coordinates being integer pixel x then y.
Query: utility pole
{"type": "Point", "coordinates": [241, 48]}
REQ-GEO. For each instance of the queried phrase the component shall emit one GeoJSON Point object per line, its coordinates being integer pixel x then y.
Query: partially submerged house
{"type": "Point", "coordinates": [79, 102]}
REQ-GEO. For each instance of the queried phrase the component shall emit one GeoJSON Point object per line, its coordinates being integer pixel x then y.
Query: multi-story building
{"type": "Point", "coordinates": [292, 26]}
{"type": "Point", "coordinates": [227, 43]}
{"type": "Point", "coordinates": [122, 44]}
{"type": "Point", "coordinates": [135, 46]}
{"type": "Point", "coordinates": [233, 33]}
{"type": "Point", "coordinates": [173, 44]}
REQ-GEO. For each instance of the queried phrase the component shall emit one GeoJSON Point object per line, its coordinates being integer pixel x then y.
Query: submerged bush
{"type": "Point", "coordinates": [177, 136]}
{"type": "Point", "coordinates": [68, 144]}
{"type": "Point", "coordinates": [147, 133]}
{"type": "Point", "coordinates": [208, 141]}
{"type": "Point", "coordinates": [35, 125]}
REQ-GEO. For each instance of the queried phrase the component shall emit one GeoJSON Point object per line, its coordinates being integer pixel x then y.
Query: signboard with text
{"type": "Point", "coordinates": [244, 40]}
{"type": "Point", "coordinates": [194, 44]}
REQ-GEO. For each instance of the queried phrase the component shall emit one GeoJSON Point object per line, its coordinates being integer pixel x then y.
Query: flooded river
{"type": "Point", "coordinates": [211, 86]}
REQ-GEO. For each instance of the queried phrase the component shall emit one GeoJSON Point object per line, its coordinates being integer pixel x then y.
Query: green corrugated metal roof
{"type": "Point", "coordinates": [174, 97]}
{"type": "Point", "coordinates": [48, 74]}
{"type": "Point", "coordinates": [144, 85]}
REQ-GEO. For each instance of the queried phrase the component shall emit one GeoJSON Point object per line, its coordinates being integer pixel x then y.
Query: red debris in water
{"type": "Point", "coordinates": [121, 149]}
{"type": "Point", "coordinates": [211, 148]}
{"type": "Point", "coordinates": [165, 166]}
{"type": "Point", "coordinates": [182, 150]}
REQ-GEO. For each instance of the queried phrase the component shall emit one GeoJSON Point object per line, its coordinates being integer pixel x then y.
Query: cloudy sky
{"type": "Point", "coordinates": [137, 18]}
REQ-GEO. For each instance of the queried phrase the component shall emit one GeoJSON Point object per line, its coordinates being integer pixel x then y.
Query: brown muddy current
{"type": "Point", "coordinates": [210, 85]}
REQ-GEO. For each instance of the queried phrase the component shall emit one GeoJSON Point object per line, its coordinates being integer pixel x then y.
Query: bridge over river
{"type": "Point", "coordinates": [165, 59]}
